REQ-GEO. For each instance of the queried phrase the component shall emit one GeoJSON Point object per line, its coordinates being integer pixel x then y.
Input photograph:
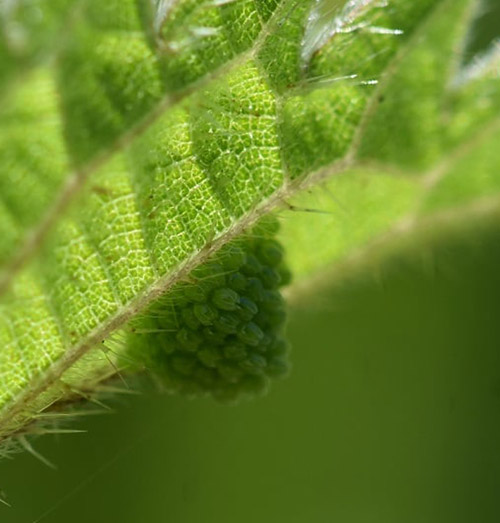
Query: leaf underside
{"type": "Point", "coordinates": [136, 138]}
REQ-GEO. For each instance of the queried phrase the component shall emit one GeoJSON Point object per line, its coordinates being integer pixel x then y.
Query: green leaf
{"type": "Point", "coordinates": [150, 134]}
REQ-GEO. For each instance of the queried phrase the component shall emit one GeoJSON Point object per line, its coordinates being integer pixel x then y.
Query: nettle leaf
{"type": "Point", "coordinates": [140, 137]}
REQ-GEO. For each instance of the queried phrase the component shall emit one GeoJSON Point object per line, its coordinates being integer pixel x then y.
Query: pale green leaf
{"type": "Point", "coordinates": [138, 137]}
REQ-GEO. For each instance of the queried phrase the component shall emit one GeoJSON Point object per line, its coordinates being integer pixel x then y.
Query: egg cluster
{"type": "Point", "coordinates": [222, 333]}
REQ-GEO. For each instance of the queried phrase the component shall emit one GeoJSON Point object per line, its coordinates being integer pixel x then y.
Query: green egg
{"type": "Point", "coordinates": [227, 393]}
{"type": "Point", "coordinates": [166, 342]}
{"type": "Point", "coordinates": [272, 300]}
{"type": "Point", "coordinates": [188, 340]}
{"type": "Point", "coordinates": [270, 277]}
{"type": "Point", "coordinates": [230, 372]}
{"type": "Point", "coordinates": [233, 258]}
{"type": "Point", "coordinates": [279, 346]}
{"type": "Point", "coordinates": [276, 318]}
{"type": "Point", "coordinates": [205, 377]}
{"type": "Point", "coordinates": [211, 276]}
{"type": "Point", "coordinates": [209, 356]}
{"type": "Point", "coordinates": [237, 281]}
{"type": "Point", "coordinates": [270, 252]}
{"type": "Point", "coordinates": [277, 367]}
{"type": "Point", "coordinates": [227, 323]}
{"type": "Point", "coordinates": [235, 351]}
{"type": "Point", "coordinates": [225, 299]}
{"type": "Point", "coordinates": [251, 334]}
{"type": "Point", "coordinates": [252, 266]}
{"type": "Point", "coordinates": [213, 336]}
{"type": "Point", "coordinates": [183, 364]}
{"type": "Point", "coordinates": [254, 364]}
{"type": "Point", "coordinates": [255, 289]}
{"type": "Point", "coordinates": [205, 313]}
{"type": "Point", "coordinates": [195, 293]}
{"type": "Point", "coordinates": [254, 385]}
{"type": "Point", "coordinates": [264, 344]}
{"type": "Point", "coordinates": [189, 318]}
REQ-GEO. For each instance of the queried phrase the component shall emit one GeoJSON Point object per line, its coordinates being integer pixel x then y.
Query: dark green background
{"type": "Point", "coordinates": [391, 415]}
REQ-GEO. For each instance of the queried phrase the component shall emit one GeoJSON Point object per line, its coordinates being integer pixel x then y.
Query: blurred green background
{"type": "Point", "coordinates": [391, 415]}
